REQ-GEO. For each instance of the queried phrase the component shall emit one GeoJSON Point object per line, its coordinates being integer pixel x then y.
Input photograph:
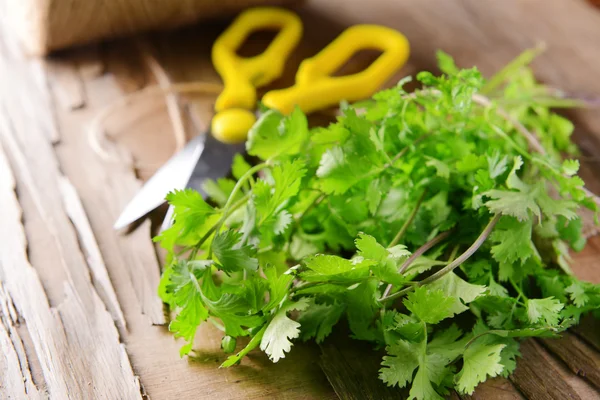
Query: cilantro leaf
{"type": "Point", "coordinates": [400, 363]}
{"type": "Point", "coordinates": [183, 291]}
{"type": "Point", "coordinates": [577, 293]}
{"type": "Point", "coordinates": [430, 306]}
{"type": "Point", "coordinates": [480, 360]}
{"type": "Point", "coordinates": [544, 310]}
{"type": "Point", "coordinates": [318, 320]}
{"type": "Point", "coordinates": [276, 339]}
{"type": "Point", "coordinates": [327, 267]}
{"type": "Point", "coordinates": [361, 308]}
{"type": "Point", "coordinates": [512, 241]}
{"type": "Point", "coordinates": [275, 135]}
{"type": "Point", "coordinates": [230, 255]}
{"type": "Point", "coordinates": [455, 287]}
{"type": "Point", "coordinates": [374, 195]}
{"type": "Point", "coordinates": [517, 204]}
{"type": "Point", "coordinates": [219, 190]}
{"type": "Point", "coordinates": [570, 167]}
{"type": "Point", "coordinates": [239, 166]}
{"type": "Point", "coordinates": [190, 212]}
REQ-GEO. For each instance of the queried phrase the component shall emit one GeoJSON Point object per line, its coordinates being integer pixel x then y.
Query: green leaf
{"type": "Point", "coordinates": [327, 267]}
{"type": "Point", "coordinates": [446, 344]}
{"type": "Point", "coordinates": [441, 169]}
{"type": "Point", "coordinates": [400, 363]}
{"type": "Point", "coordinates": [361, 308]}
{"type": "Point", "coordinates": [276, 340]}
{"type": "Point", "coordinates": [275, 135]}
{"type": "Point", "coordinates": [457, 288]}
{"type": "Point", "coordinates": [239, 166]}
{"type": "Point", "coordinates": [220, 190]}
{"type": "Point", "coordinates": [544, 310]}
{"type": "Point", "coordinates": [577, 294]}
{"type": "Point", "coordinates": [497, 164]}
{"type": "Point", "coordinates": [512, 241]}
{"type": "Point", "coordinates": [422, 388]}
{"type": "Point", "coordinates": [480, 360]}
{"type": "Point", "coordinates": [430, 306]}
{"type": "Point", "coordinates": [369, 248]}
{"type": "Point", "coordinates": [516, 204]}
{"type": "Point", "coordinates": [270, 202]}
{"type": "Point", "coordinates": [446, 63]}
{"type": "Point", "coordinates": [470, 162]}
{"type": "Point", "coordinates": [318, 320]}
{"type": "Point", "coordinates": [279, 285]}
{"type": "Point", "coordinates": [190, 213]}
{"type": "Point", "coordinates": [231, 255]}
{"type": "Point", "coordinates": [570, 167]}
{"type": "Point", "coordinates": [182, 290]}
{"type": "Point", "coordinates": [374, 196]}
{"type": "Point", "coordinates": [234, 312]}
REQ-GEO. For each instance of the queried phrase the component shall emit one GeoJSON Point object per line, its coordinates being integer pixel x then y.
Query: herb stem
{"type": "Point", "coordinates": [450, 267]}
{"type": "Point", "coordinates": [517, 288]}
{"type": "Point", "coordinates": [423, 249]}
{"type": "Point", "coordinates": [466, 255]}
{"type": "Point", "coordinates": [409, 221]}
{"type": "Point", "coordinates": [531, 139]}
{"type": "Point", "coordinates": [236, 189]}
{"type": "Point", "coordinates": [196, 248]}
{"type": "Point", "coordinates": [418, 253]}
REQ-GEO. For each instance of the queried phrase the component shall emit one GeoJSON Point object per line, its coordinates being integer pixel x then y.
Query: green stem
{"type": "Point", "coordinates": [204, 238]}
{"type": "Point", "coordinates": [418, 253]}
{"type": "Point", "coordinates": [409, 221]}
{"type": "Point", "coordinates": [450, 267]}
{"type": "Point", "coordinates": [517, 288]}
{"type": "Point", "coordinates": [235, 190]}
{"type": "Point", "coordinates": [423, 249]}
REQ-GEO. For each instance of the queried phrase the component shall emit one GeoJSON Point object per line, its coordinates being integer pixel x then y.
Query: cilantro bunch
{"type": "Point", "coordinates": [436, 224]}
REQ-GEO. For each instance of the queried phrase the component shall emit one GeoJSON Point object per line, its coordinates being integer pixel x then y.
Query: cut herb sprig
{"type": "Point", "coordinates": [430, 198]}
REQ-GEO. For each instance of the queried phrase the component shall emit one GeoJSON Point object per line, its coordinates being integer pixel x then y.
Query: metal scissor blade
{"type": "Point", "coordinates": [175, 174]}
{"type": "Point", "coordinates": [214, 163]}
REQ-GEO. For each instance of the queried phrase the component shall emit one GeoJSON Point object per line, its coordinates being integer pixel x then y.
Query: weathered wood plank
{"type": "Point", "coordinates": [17, 382]}
{"type": "Point", "coordinates": [67, 84]}
{"type": "Point", "coordinates": [352, 369]}
{"type": "Point", "coordinates": [100, 277]}
{"type": "Point", "coordinates": [540, 377]}
{"type": "Point", "coordinates": [580, 359]}
{"type": "Point", "coordinates": [588, 330]}
{"type": "Point", "coordinates": [70, 366]}
{"type": "Point", "coordinates": [72, 335]}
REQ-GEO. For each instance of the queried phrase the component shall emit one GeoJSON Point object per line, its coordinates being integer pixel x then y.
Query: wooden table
{"type": "Point", "coordinates": [80, 315]}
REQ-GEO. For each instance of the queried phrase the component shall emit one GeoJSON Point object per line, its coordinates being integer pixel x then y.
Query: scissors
{"type": "Point", "coordinates": [209, 156]}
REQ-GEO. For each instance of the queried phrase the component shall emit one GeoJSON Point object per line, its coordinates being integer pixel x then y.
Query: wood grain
{"type": "Point", "coordinates": [577, 356]}
{"type": "Point", "coordinates": [540, 377]}
{"type": "Point", "coordinates": [78, 348]}
{"type": "Point", "coordinates": [70, 281]}
{"type": "Point", "coordinates": [73, 336]}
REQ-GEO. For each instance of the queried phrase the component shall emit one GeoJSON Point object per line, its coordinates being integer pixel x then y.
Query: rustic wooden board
{"type": "Point", "coordinates": [75, 293]}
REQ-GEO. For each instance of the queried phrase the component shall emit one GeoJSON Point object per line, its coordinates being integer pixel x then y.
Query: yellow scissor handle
{"type": "Point", "coordinates": [241, 76]}
{"type": "Point", "coordinates": [315, 88]}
